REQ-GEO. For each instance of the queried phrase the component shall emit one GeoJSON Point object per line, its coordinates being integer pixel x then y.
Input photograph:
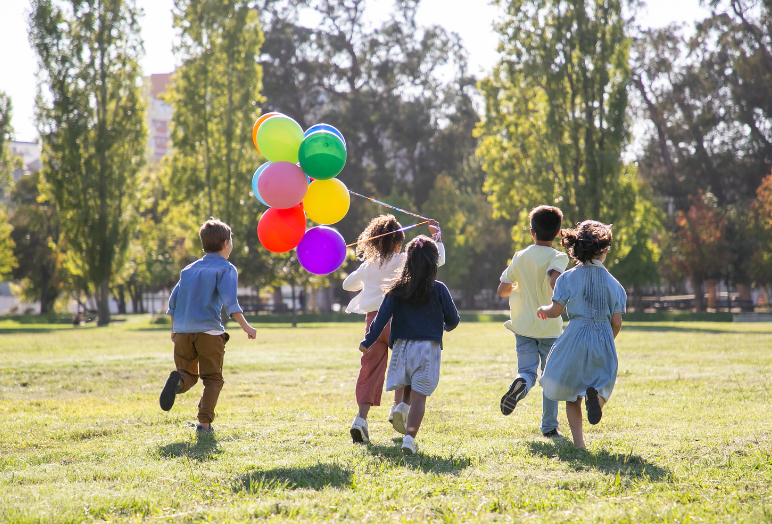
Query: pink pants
{"type": "Point", "coordinates": [374, 363]}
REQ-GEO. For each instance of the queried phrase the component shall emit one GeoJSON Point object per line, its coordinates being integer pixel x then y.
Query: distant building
{"type": "Point", "coordinates": [159, 116]}
{"type": "Point", "coordinates": [30, 157]}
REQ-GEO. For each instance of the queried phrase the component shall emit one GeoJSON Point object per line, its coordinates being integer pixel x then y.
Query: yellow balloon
{"type": "Point", "coordinates": [327, 201]}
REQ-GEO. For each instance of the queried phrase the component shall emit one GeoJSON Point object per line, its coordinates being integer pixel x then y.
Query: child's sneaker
{"type": "Point", "coordinates": [513, 396]}
{"type": "Point", "coordinates": [399, 418]}
{"type": "Point", "coordinates": [391, 413]}
{"type": "Point", "coordinates": [552, 433]}
{"type": "Point", "coordinates": [594, 411]}
{"type": "Point", "coordinates": [409, 447]}
{"type": "Point", "coordinates": [201, 429]}
{"type": "Point", "coordinates": [169, 392]}
{"type": "Point", "coordinates": [359, 432]}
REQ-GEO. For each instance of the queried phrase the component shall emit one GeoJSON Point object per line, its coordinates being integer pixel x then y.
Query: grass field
{"type": "Point", "coordinates": [686, 437]}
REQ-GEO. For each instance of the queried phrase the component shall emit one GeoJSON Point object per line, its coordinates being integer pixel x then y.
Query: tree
{"type": "Point", "coordinates": [701, 251]}
{"type": "Point", "coordinates": [216, 95]}
{"type": "Point", "coordinates": [761, 220]}
{"type": "Point", "coordinates": [555, 118]}
{"type": "Point", "coordinates": [91, 119]}
{"type": "Point", "coordinates": [36, 235]}
{"type": "Point", "coordinates": [7, 165]}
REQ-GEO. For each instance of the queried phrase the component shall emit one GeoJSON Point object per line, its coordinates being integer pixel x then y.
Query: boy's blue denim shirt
{"type": "Point", "coordinates": [205, 286]}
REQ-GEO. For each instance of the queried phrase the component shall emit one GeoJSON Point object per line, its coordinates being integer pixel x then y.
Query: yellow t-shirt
{"type": "Point", "coordinates": [529, 275]}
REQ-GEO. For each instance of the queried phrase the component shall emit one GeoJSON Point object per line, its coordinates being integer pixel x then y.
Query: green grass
{"type": "Point", "coordinates": [686, 437]}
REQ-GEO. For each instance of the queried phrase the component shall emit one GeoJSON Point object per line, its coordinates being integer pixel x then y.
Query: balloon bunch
{"type": "Point", "coordinates": [299, 180]}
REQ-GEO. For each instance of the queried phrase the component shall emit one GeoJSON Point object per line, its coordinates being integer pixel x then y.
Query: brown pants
{"type": "Point", "coordinates": [374, 363]}
{"type": "Point", "coordinates": [196, 353]}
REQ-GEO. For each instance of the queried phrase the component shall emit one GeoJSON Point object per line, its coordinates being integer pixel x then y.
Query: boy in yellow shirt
{"type": "Point", "coordinates": [528, 282]}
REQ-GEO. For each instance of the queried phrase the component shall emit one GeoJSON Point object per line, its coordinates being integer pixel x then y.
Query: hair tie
{"type": "Point", "coordinates": [419, 242]}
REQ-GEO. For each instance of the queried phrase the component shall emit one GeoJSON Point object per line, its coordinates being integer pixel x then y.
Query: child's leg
{"type": "Point", "coordinates": [406, 394]}
{"type": "Point", "coordinates": [527, 360]}
{"type": "Point", "coordinates": [574, 415]}
{"type": "Point", "coordinates": [211, 353]}
{"type": "Point", "coordinates": [549, 412]}
{"type": "Point", "coordinates": [399, 396]}
{"type": "Point", "coordinates": [186, 360]}
{"type": "Point", "coordinates": [372, 373]}
{"type": "Point", "coordinates": [416, 416]}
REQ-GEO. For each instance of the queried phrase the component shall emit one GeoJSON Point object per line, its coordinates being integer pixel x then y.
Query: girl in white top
{"type": "Point", "coordinates": [380, 249]}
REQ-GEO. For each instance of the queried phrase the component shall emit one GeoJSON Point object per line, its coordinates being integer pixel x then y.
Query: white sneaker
{"type": "Point", "coordinates": [399, 418]}
{"type": "Point", "coordinates": [391, 413]}
{"type": "Point", "coordinates": [409, 447]}
{"type": "Point", "coordinates": [359, 432]}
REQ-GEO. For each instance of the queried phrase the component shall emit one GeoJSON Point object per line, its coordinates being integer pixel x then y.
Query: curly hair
{"type": "Point", "coordinates": [416, 280]}
{"type": "Point", "coordinates": [587, 240]}
{"type": "Point", "coordinates": [383, 247]}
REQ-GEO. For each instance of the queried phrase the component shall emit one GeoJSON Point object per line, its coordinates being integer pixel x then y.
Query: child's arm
{"type": "Point", "coordinates": [173, 305]}
{"type": "Point", "coordinates": [505, 289]}
{"type": "Point", "coordinates": [385, 313]}
{"type": "Point", "coordinates": [449, 311]}
{"type": "Point", "coordinates": [172, 329]}
{"type": "Point", "coordinates": [354, 281]}
{"type": "Point", "coordinates": [249, 330]}
{"type": "Point", "coordinates": [616, 323]}
{"type": "Point", "coordinates": [553, 311]}
{"type": "Point", "coordinates": [554, 274]}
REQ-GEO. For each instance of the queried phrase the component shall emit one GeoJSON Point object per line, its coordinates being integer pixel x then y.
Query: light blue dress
{"type": "Point", "coordinates": [585, 355]}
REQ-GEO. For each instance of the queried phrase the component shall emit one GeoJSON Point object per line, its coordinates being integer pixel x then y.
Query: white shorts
{"type": "Point", "coordinates": [415, 363]}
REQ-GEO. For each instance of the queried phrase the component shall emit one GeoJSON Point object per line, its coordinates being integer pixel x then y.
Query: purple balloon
{"type": "Point", "coordinates": [322, 250]}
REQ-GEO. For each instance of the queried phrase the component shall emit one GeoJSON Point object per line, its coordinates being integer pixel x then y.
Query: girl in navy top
{"type": "Point", "coordinates": [420, 309]}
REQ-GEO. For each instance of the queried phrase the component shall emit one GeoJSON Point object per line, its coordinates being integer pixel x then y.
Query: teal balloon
{"type": "Point", "coordinates": [254, 182]}
{"type": "Point", "coordinates": [322, 155]}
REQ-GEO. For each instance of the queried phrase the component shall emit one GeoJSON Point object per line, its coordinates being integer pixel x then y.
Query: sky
{"type": "Point", "coordinates": [474, 25]}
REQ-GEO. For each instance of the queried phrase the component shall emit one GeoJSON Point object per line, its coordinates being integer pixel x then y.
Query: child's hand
{"type": "Point", "coordinates": [541, 313]}
{"type": "Point", "coordinates": [363, 349]}
{"type": "Point", "coordinates": [250, 331]}
{"type": "Point", "coordinates": [172, 336]}
{"type": "Point", "coordinates": [434, 227]}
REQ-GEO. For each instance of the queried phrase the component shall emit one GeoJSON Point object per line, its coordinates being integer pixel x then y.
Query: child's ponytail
{"type": "Point", "coordinates": [416, 280]}
{"type": "Point", "coordinates": [587, 240]}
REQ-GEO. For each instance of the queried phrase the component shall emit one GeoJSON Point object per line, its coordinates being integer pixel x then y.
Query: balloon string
{"type": "Point", "coordinates": [384, 204]}
{"type": "Point", "coordinates": [389, 233]}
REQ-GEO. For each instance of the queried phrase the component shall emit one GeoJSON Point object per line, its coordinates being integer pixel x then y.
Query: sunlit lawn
{"type": "Point", "coordinates": [686, 437]}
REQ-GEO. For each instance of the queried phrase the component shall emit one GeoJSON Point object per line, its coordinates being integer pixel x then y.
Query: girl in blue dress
{"type": "Point", "coordinates": [583, 361]}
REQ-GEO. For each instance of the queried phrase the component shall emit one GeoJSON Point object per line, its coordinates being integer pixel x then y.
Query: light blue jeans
{"type": "Point", "coordinates": [529, 352]}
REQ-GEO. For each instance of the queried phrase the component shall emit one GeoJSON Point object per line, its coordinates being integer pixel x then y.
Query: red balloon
{"type": "Point", "coordinates": [281, 230]}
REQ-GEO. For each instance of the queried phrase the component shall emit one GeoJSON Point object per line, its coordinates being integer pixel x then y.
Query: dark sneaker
{"type": "Point", "coordinates": [513, 396]}
{"type": "Point", "coordinates": [553, 433]}
{"type": "Point", "coordinates": [594, 411]}
{"type": "Point", "coordinates": [169, 393]}
{"type": "Point", "coordinates": [202, 429]}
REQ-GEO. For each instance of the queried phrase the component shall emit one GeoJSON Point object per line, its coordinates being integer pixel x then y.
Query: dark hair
{"type": "Point", "coordinates": [212, 234]}
{"type": "Point", "coordinates": [414, 284]}
{"type": "Point", "coordinates": [545, 222]}
{"type": "Point", "coordinates": [383, 247]}
{"type": "Point", "coordinates": [587, 240]}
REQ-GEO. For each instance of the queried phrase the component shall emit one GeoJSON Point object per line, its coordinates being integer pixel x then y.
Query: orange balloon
{"type": "Point", "coordinates": [259, 121]}
{"type": "Point", "coordinates": [281, 230]}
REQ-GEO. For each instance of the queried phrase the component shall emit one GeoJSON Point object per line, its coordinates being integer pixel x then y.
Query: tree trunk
{"type": "Point", "coordinates": [699, 297]}
{"type": "Point", "coordinates": [103, 303]}
{"type": "Point", "coordinates": [744, 292]}
{"type": "Point", "coordinates": [45, 279]}
{"type": "Point", "coordinates": [294, 309]}
{"type": "Point", "coordinates": [121, 296]}
{"type": "Point", "coordinates": [710, 285]}
{"type": "Point", "coordinates": [278, 303]}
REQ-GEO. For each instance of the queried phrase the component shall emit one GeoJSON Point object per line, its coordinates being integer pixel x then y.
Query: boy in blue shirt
{"type": "Point", "coordinates": [205, 287]}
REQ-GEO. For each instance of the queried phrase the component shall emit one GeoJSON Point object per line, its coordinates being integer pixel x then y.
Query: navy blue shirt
{"type": "Point", "coordinates": [415, 321]}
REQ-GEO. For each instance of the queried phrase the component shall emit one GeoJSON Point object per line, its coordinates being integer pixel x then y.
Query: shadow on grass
{"type": "Point", "coordinates": [628, 465]}
{"type": "Point", "coordinates": [425, 462]}
{"type": "Point", "coordinates": [316, 477]}
{"type": "Point", "coordinates": [679, 329]}
{"type": "Point", "coordinates": [204, 448]}
{"type": "Point", "coordinates": [27, 330]}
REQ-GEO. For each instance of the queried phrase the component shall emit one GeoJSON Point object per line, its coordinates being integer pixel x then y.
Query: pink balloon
{"type": "Point", "coordinates": [282, 185]}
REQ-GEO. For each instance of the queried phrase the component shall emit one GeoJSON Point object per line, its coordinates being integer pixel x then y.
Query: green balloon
{"type": "Point", "coordinates": [322, 155]}
{"type": "Point", "coordinates": [279, 138]}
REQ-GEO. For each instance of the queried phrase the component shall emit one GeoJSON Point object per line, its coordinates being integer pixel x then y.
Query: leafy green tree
{"type": "Point", "coordinates": [91, 119]}
{"type": "Point", "coordinates": [7, 165]}
{"type": "Point", "coordinates": [36, 235]}
{"type": "Point", "coordinates": [555, 119]}
{"type": "Point", "coordinates": [216, 95]}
